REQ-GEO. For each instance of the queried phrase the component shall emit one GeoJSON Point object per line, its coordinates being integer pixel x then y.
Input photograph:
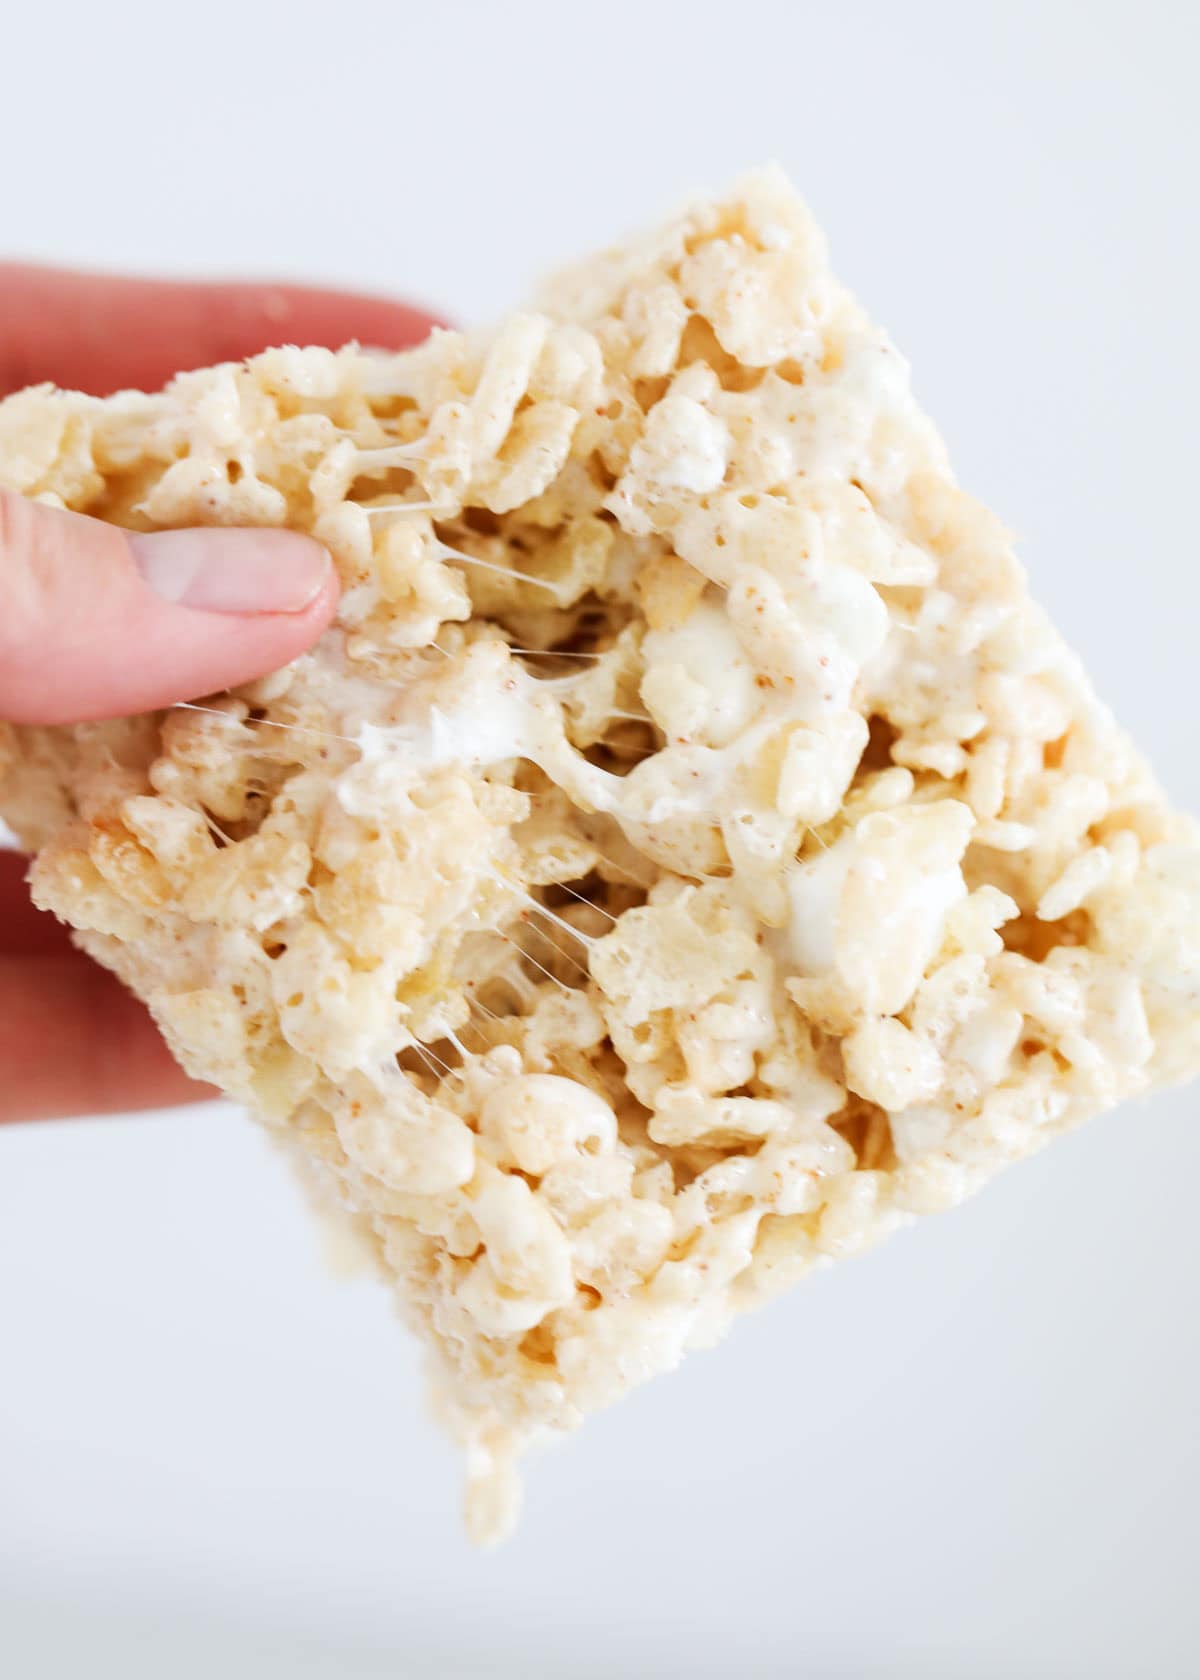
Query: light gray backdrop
{"type": "Point", "coordinates": [970, 1455]}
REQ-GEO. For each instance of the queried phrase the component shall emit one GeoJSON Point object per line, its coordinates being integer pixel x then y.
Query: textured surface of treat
{"type": "Point", "coordinates": [689, 856]}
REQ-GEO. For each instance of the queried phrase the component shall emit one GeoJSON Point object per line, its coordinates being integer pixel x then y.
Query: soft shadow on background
{"type": "Point", "coordinates": [969, 1455]}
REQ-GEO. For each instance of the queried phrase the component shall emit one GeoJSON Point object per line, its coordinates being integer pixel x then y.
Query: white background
{"type": "Point", "coordinates": [973, 1454]}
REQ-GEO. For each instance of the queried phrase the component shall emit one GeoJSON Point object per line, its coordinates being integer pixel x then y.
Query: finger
{"type": "Point", "coordinates": [100, 622]}
{"type": "Point", "coordinates": [74, 1041]}
{"type": "Point", "coordinates": [24, 929]}
{"type": "Point", "coordinates": [101, 333]}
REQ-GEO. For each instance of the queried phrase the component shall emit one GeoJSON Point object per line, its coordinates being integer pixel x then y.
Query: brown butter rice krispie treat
{"type": "Point", "coordinates": [690, 854]}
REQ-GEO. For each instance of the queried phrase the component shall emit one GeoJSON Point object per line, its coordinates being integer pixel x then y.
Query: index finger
{"type": "Point", "coordinates": [101, 333]}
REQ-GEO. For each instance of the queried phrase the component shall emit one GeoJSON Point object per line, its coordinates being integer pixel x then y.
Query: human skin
{"type": "Point", "coordinates": [92, 625]}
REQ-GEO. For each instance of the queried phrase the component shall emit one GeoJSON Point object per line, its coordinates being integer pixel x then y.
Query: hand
{"type": "Point", "coordinates": [98, 623]}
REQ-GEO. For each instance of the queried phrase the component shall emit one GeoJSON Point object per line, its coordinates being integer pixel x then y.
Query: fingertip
{"type": "Point", "coordinates": [239, 570]}
{"type": "Point", "coordinates": [315, 315]}
{"type": "Point", "coordinates": [104, 623]}
{"type": "Point", "coordinates": [264, 600]}
{"type": "Point", "coordinates": [103, 333]}
{"type": "Point", "coordinates": [287, 634]}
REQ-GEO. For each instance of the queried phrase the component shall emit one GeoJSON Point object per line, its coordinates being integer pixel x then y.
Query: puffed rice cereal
{"type": "Point", "coordinates": [689, 856]}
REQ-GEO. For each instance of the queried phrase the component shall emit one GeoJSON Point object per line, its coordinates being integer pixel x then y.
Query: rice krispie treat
{"type": "Point", "coordinates": [689, 856]}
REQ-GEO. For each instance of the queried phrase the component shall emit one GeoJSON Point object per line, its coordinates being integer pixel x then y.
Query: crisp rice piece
{"type": "Point", "coordinates": [689, 856]}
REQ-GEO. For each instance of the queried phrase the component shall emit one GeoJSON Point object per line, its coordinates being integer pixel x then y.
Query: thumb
{"type": "Point", "coordinates": [99, 622]}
